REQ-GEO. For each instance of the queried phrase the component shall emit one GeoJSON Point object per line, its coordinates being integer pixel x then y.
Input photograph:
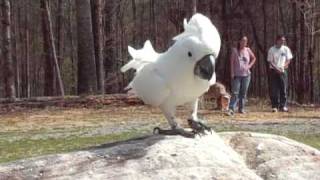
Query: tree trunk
{"type": "Point", "coordinates": [23, 75]}
{"type": "Point", "coordinates": [153, 22]}
{"type": "Point", "coordinates": [302, 80]}
{"type": "Point", "coordinates": [16, 50]}
{"type": "Point", "coordinates": [87, 76]}
{"type": "Point", "coordinates": [60, 29]}
{"type": "Point", "coordinates": [48, 65]}
{"type": "Point", "coordinates": [7, 51]}
{"type": "Point", "coordinates": [98, 42]}
{"type": "Point", "coordinates": [142, 28]}
{"type": "Point", "coordinates": [295, 64]}
{"type": "Point", "coordinates": [265, 48]}
{"type": "Point", "coordinates": [52, 48]}
{"type": "Point", "coordinates": [194, 6]}
{"type": "Point", "coordinates": [134, 19]}
{"type": "Point", "coordinates": [27, 51]}
{"type": "Point", "coordinates": [73, 53]}
{"type": "Point", "coordinates": [190, 8]}
{"type": "Point", "coordinates": [311, 52]}
{"type": "Point", "coordinates": [225, 66]}
{"type": "Point", "coordinates": [110, 43]}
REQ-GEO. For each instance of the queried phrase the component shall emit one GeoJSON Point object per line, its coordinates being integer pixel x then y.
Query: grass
{"type": "Point", "coordinates": [36, 132]}
{"type": "Point", "coordinates": [312, 140]}
{"type": "Point", "coordinates": [309, 139]}
{"type": "Point", "coordinates": [25, 148]}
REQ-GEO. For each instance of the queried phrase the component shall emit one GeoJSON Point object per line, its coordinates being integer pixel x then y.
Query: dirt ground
{"type": "Point", "coordinates": [117, 118]}
{"type": "Point", "coordinates": [39, 131]}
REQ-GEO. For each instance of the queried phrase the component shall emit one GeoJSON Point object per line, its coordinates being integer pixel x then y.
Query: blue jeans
{"type": "Point", "coordinates": [239, 88]}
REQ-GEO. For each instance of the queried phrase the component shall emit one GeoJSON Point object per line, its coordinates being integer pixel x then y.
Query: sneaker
{"type": "Point", "coordinates": [284, 109]}
{"type": "Point", "coordinates": [274, 110]}
{"type": "Point", "coordinates": [242, 111]}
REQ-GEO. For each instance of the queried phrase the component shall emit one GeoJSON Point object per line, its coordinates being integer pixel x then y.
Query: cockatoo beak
{"type": "Point", "coordinates": [204, 68]}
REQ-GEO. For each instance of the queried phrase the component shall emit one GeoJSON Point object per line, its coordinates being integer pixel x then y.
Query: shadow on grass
{"type": "Point", "coordinates": [121, 151]}
{"type": "Point", "coordinates": [153, 140]}
{"type": "Point", "coordinates": [27, 147]}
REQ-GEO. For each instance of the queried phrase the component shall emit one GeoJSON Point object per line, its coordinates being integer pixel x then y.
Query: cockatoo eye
{"type": "Point", "coordinates": [189, 54]}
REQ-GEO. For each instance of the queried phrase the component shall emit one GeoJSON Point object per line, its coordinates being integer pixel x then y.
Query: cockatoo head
{"type": "Point", "coordinates": [200, 42]}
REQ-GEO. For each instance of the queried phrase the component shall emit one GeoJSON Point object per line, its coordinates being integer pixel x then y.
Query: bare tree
{"type": "Point", "coordinates": [73, 53]}
{"type": "Point", "coordinates": [60, 29]}
{"type": "Point", "coordinates": [16, 50]}
{"type": "Point", "coordinates": [87, 76]}
{"type": "Point", "coordinates": [48, 65]}
{"type": "Point", "coordinates": [134, 19]}
{"type": "Point", "coordinates": [52, 48]}
{"type": "Point", "coordinates": [110, 43]}
{"type": "Point", "coordinates": [190, 8]}
{"type": "Point", "coordinates": [98, 42]}
{"type": "Point", "coordinates": [27, 51]}
{"type": "Point", "coordinates": [7, 51]}
{"type": "Point", "coordinates": [153, 29]}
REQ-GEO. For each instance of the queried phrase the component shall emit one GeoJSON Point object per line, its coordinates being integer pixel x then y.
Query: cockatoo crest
{"type": "Point", "coordinates": [201, 27]}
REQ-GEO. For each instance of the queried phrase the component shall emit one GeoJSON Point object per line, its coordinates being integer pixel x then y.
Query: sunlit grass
{"type": "Point", "coordinates": [36, 132]}
{"type": "Point", "coordinates": [25, 148]}
{"type": "Point", "coordinates": [308, 139]}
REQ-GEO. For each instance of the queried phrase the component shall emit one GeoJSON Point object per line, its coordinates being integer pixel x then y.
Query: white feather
{"type": "Point", "coordinates": [140, 57]}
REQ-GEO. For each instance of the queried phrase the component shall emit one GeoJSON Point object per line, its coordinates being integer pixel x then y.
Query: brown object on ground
{"type": "Point", "coordinates": [218, 93]}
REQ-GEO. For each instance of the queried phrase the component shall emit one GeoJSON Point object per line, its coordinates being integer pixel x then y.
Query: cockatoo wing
{"type": "Point", "coordinates": [140, 57]}
{"type": "Point", "coordinates": [150, 86]}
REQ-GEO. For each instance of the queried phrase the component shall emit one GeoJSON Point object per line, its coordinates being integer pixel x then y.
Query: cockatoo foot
{"type": "Point", "coordinates": [198, 127]}
{"type": "Point", "coordinates": [174, 131]}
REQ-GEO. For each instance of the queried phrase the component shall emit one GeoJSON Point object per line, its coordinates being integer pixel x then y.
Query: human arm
{"type": "Point", "coordinates": [286, 65]}
{"type": "Point", "coordinates": [252, 58]}
{"type": "Point", "coordinates": [289, 58]}
{"type": "Point", "coordinates": [232, 58]}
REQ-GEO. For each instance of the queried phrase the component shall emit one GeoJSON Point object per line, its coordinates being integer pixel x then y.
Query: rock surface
{"type": "Point", "coordinates": [231, 155]}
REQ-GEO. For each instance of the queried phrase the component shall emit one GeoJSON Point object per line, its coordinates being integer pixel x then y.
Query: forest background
{"type": "Point", "coordinates": [76, 47]}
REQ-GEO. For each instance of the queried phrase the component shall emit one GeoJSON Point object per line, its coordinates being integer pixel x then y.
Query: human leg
{"type": "Point", "coordinates": [274, 78]}
{"type": "Point", "coordinates": [283, 91]}
{"type": "Point", "coordinates": [235, 88]}
{"type": "Point", "coordinates": [245, 82]}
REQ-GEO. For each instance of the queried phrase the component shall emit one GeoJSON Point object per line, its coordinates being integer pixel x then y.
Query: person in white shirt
{"type": "Point", "coordinates": [279, 58]}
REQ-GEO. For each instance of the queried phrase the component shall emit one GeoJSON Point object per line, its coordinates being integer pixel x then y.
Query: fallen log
{"type": "Point", "coordinates": [72, 101]}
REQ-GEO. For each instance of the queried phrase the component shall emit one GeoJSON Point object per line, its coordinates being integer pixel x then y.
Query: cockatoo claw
{"type": "Point", "coordinates": [176, 131]}
{"type": "Point", "coordinates": [199, 127]}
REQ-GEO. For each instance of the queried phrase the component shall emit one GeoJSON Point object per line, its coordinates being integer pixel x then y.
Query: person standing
{"type": "Point", "coordinates": [241, 60]}
{"type": "Point", "coordinates": [279, 58]}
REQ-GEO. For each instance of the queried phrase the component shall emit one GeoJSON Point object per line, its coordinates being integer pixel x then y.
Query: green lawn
{"type": "Point", "coordinates": [36, 132]}
{"type": "Point", "coordinates": [25, 148]}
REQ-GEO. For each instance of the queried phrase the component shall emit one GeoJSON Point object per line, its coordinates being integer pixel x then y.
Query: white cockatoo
{"type": "Point", "coordinates": [181, 74]}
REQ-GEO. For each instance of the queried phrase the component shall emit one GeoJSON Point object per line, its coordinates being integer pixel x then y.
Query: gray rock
{"type": "Point", "coordinates": [275, 157]}
{"type": "Point", "coordinates": [227, 156]}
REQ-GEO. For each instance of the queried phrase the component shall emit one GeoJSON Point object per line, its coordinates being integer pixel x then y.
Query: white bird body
{"type": "Point", "coordinates": [168, 79]}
